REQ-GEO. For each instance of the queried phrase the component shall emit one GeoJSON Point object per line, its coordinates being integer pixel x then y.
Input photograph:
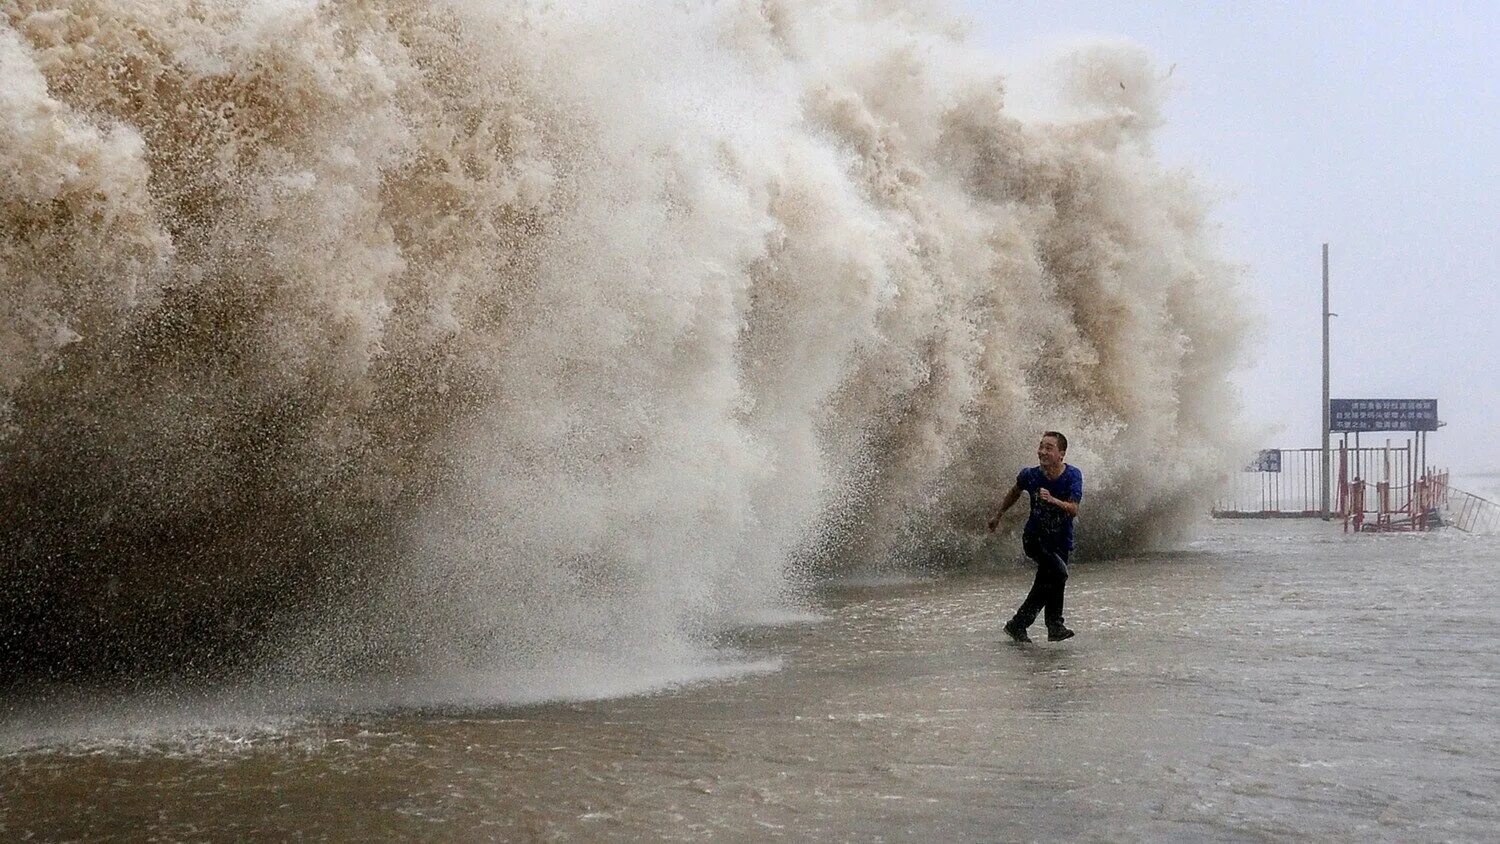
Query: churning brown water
{"type": "Point", "coordinates": [465, 337]}
{"type": "Point", "coordinates": [1269, 682]}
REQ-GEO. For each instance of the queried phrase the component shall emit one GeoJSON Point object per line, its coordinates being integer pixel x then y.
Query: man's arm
{"type": "Point", "coordinates": [1005, 504]}
{"type": "Point", "coordinates": [1069, 507]}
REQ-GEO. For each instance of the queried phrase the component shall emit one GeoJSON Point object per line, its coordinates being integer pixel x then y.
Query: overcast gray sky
{"type": "Point", "coordinates": [1372, 126]}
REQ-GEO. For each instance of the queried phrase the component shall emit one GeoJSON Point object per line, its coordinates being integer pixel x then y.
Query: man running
{"type": "Point", "coordinates": [1056, 490]}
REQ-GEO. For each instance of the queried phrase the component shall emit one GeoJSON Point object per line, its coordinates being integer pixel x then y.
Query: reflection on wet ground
{"type": "Point", "coordinates": [1272, 681]}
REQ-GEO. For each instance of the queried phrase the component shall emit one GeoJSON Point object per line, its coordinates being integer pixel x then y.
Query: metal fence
{"type": "Point", "coordinates": [1383, 488]}
{"type": "Point", "coordinates": [1469, 512]}
{"type": "Point", "coordinates": [1374, 488]}
{"type": "Point", "coordinates": [1294, 488]}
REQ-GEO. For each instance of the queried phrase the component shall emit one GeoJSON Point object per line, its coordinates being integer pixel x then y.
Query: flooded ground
{"type": "Point", "coordinates": [1274, 681]}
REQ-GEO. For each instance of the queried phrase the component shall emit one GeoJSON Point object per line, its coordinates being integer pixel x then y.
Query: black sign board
{"type": "Point", "coordinates": [1266, 460]}
{"type": "Point", "coordinates": [1348, 416]}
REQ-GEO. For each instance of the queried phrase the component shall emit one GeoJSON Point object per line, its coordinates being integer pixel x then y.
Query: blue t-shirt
{"type": "Point", "coordinates": [1047, 522]}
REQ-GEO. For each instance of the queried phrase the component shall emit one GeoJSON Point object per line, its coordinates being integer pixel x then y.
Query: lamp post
{"type": "Point", "coordinates": [1323, 509]}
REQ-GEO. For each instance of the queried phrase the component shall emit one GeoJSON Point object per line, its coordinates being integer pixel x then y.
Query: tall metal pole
{"type": "Point", "coordinates": [1325, 382]}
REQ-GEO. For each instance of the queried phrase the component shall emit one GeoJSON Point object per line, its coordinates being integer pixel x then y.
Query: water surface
{"type": "Point", "coordinates": [1273, 681]}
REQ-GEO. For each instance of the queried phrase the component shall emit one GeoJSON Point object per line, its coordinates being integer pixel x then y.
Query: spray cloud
{"type": "Point", "coordinates": [547, 339]}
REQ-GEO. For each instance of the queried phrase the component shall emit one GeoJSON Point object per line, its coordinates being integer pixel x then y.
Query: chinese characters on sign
{"type": "Point", "coordinates": [1266, 460]}
{"type": "Point", "coordinates": [1347, 416]}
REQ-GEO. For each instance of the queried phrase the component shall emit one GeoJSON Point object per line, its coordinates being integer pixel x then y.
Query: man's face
{"type": "Point", "coordinates": [1047, 452]}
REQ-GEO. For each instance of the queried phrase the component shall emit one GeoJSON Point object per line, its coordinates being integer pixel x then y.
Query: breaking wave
{"type": "Point", "coordinates": [542, 340]}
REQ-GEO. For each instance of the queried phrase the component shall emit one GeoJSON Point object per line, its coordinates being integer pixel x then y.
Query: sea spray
{"type": "Point", "coordinates": [546, 340]}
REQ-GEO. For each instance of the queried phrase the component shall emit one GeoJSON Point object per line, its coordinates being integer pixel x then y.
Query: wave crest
{"type": "Point", "coordinates": [442, 333]}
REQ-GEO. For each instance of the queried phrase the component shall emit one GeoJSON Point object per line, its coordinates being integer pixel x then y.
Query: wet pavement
{"type": "Point", "coordinates": [1271, 681]}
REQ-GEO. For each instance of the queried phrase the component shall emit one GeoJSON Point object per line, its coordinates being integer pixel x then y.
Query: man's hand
{"type": "Point", "coordinates": [1066, 506]}
{"type": "Point", "coordinates": [1010, 498]}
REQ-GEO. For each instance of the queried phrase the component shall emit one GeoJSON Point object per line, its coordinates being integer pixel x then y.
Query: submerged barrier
{"type": "Point", "coordinates": [1469, 512]}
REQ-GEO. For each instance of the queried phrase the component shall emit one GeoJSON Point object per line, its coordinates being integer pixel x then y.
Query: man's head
{"type": "Point", "coordinates": [1051, 450]}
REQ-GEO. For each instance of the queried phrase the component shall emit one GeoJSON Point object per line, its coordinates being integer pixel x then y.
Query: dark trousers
{"type": "Point", "coordinates": [1047, 590]}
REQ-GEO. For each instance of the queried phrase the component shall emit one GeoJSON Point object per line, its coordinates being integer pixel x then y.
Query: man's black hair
{"type": "Point", "coordinates": [1062, 441]}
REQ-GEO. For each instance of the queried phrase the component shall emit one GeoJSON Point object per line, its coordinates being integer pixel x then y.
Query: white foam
{"type": "Point", "coordinates": [583, 328]}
